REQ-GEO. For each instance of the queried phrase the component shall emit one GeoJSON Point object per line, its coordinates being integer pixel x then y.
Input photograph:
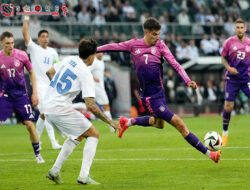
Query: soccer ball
{"type": "Point", "coordinates": [213, 141]}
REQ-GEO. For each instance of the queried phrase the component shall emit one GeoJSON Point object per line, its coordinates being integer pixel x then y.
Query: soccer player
{"type": "Point", "coordinates": [69, 78]}
{"type": "Point", "coordinates": [236, 60]}
{"type": "Point", "coordinates": [97, 70]}
{"type": "Point", "coordinates": [42, 58]}
{"type": "Point", "coordinates": [13, 91]}
{"type": "Point", "coordinates": [148, 54]}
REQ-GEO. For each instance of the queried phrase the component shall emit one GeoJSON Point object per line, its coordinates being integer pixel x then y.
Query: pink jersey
{"type": "Point", "coordinates": [238, 56]}
{"type": "Point", "coordinates": [148, 63]}
{"type": "Point", "coordinates": [12, 80]}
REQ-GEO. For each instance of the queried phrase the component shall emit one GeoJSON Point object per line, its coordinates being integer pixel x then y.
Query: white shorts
{"type": "Point", "coordinates": [101, 96]}
{"type": "Point", "coordinates": [71, 124]}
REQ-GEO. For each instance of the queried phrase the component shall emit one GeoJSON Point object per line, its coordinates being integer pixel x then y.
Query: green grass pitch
{"type": "Point", "coordinates": [145, 158]}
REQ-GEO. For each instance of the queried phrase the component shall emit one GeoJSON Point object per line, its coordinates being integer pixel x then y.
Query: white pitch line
{"type": "Point", "coordinates": [123, 150]}
{"type": "Point", "coordinates": [129, 159]}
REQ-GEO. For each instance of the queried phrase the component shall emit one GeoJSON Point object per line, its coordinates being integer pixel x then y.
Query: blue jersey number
{"type": "Point", "coordinates": [46, 60]}
{"type": "Point", "coordinates": [65, 80]}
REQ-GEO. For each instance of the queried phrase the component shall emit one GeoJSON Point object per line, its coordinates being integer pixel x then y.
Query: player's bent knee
{"type": "Point", "coordinates": [179, 125]}
{"type": "Point", "coordinates": [91, 132]}
{"type": "Point", "coordinates": [159, 123]}
{"type": "Point", "coordinates": [228, 106]}
{"type": "Point", "coordinates": [152, 121]}
{"type": "Point", "coordinates": [42, 116]}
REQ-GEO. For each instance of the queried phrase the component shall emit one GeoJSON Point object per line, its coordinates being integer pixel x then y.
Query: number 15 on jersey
{"type": "Point", "coordinates": [63, 83]}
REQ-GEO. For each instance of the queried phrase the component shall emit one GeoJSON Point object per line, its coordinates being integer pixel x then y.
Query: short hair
{"type": "Point", "coordinates": [6, 34]}
{"type": "Point", "coordinates": [151, 23]}
{"type": "Point", "coordinates": [86, 48]}
{"type": "Point", "coordinates": [42, 31]}
{"type": "Point", "coordinates": [240, 20]}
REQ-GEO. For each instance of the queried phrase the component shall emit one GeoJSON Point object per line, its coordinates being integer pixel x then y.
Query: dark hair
{"type": "Point", "coordinates": [151, 24]}
{"type": "Point", "coordinates": [240, 20]}
{"type": "Point", "coordinates": [6, 34]}
{"type": "Point", "coordinates": [42, 31]}
{"type": "Point", "coordinates": [86, 48]}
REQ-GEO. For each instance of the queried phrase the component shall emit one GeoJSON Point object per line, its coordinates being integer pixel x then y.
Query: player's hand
{"type": "Point", "coordinates": [116, 126]}
{"type": "Point", "coordinates": [233, 71]}
{"type": "Point", "coordinates": [192, 84]}
{"type": "Point", "coordinates": [96, 79]}
{"type": "Point", "coordinates": [34, 99]}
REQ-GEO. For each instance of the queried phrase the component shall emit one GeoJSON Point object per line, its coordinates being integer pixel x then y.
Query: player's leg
{"type": "Point", "coordinates": [192, 139]}
{"type": "Point", "coordinates": [107, 112]}
{"type": "Point", "coordinates": [144, 121]}
{"type": "Point", "coordinates": [51, 134]}
{"type": "Point", "coordinates": [102, 99]}
{"type": "Point", "coordinates": [75, 126]}
{"type": "Point", "coordinates": [40, 125]}
{"type": "Point", "coordinates": [231, 91]}
{"type": "Point", "coordinates": [228, 108]}
{"type": "Point", "coordinates": [34, 140]}
{"type": "Point", "coordinates": [92, 138]}
{"type": "Point", "coordinates": [23, 107]}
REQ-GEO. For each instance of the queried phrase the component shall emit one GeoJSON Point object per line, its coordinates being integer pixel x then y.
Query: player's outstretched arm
{"type": "Point", "coordinates": [232, 70]}
{"type": "Point", "coordinates": [34, 97]}
{"type": "Point", "coordinates": [122, 46]}
{"type": "Point", "coordinates": [50, 73]}
{"type": "Point", "coordinates": [91, 105]}
{"type": "Point", "coordinates": [25, 29]}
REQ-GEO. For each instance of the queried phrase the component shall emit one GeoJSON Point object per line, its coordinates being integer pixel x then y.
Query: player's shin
{"type": "Point", "coordinates": [195, 142]}
{"type": "Point", "coordinates": [40, 126]}
{"type": "Point", "coordinates": [67, 148]}
{"type": "Point", "coordinates": [226, 120]}
{"type": "Point", "coordinates": [142, 121]}
{"type": "Point", "coordinates": [88, 156]}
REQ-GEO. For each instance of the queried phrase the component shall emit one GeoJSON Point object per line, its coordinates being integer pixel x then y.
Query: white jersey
{"type": "Point", "coordinates": [72, 76]}
{"type": "Point", "coordinates": [42, 60]}
{"type": "Point", "coordinates": [97, 70]}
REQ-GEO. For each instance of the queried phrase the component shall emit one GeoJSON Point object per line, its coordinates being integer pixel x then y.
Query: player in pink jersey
{"type": "Point", "coordinates": [236, 60]}
{"type": "Point", "coordinates": [13, 92]}
{"type": "Point", "coordinates": [148, 55]}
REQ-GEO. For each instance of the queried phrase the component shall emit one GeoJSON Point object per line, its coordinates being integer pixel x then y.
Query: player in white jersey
{"type": "Point", "coordinates": [69, 78]}
{"type": "Point", "coordinates": [42, 58]}
{"type": "Point", "coordinates": [101, 97]}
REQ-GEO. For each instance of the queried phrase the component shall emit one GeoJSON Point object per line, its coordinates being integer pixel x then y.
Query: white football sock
{"type": "Point", "coordinates": [208, 154]}
{"type": "Point", "coordinates": [225, 132]}
{"type": "Point", "coordinates": [129, 122]}
{"type": "Point", "coordinates": [39, 127]}
{"type": "Point", "coordinates": [88, 156]}
{"type": "Point", "coordinates": [67, 148]}
{"type": "Point", "coordinates": [108, 114]}
{"type": "Point", "coordinates": [51, 132]}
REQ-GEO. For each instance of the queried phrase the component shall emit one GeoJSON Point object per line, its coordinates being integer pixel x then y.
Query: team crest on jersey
{"type": "Point", "coordinates": [3, 66]}
{"type": "Point", "coordinates": [247, 48]}
{"type": "Point", "coordinates": [162, 108]}
{"type": "Point", "coordinates": [153, 50]}
{"type": "Point", "coordinates": [16, 63]}
{"type": "Point", "coordinates": [234, 48]}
